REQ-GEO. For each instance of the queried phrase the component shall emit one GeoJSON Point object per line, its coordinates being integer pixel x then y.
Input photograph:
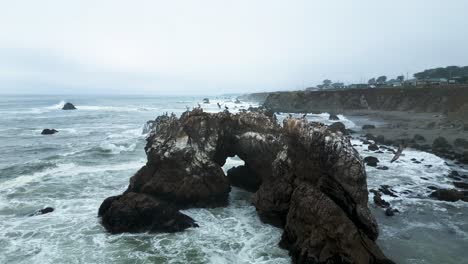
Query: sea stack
{"type": "Point", "coordinates": [68, 106]}
{"type": "Point", "coordinates": [306, 179]}
{"type": "Point", "coordinates": [48, 131]}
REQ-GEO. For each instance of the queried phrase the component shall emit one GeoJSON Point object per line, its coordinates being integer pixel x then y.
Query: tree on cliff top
{"type": "Point", "coordinates": [447, 72]}
{"type": "Point", "coordinates": [327, 82]}
{"type": "Point", "coordinates": [382, 79]}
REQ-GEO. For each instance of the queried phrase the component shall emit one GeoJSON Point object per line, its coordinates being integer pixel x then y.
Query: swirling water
{"type": "Point", "coordinates": [100, 145]}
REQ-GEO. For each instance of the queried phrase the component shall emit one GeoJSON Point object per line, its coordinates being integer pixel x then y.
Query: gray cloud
{"type": "Point", "coordinates": [196, 47]}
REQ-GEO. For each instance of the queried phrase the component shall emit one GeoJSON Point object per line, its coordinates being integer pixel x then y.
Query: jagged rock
{"type": "Point", "coordinates": [138, 212]}
{"type": "Point", "coordinates": [385, 189]}
{"type": "Point", "coordinates": [365, 127]}
{"type": "Point", "coordinates": [237, 101]}
{"type": "Point", "coordinates": [307, 180]}
{"type": "Point", "coordinates": [338, 126]}
{"type": "Point", "coordinates": [68, 106]}
{"type": "Point", "coordinates": [379, 201]}
{"type": "Point", "coordinates": [45, 210]}
{"type": "Point", "coordinates": [333, 117]}
{"type": "Point", "coordinates": [373, 147]}
{"type": "Point", "coordinates": [369, 136]}
{"type": "Point", "coordinates": [390, 211]}
{"type": "Point", "coordinates": [48, 131]}
{"type": "Point", "coordinates": [449, 195]}
{"type": "Point", "coordinates": [206, 100]}
{"type": "Point", "coordinates": [371, 161]}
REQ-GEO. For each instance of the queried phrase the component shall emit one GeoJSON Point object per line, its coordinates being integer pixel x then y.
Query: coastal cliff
{"type": "Point", "coordinates": [418, 117]}
{"type": "Point", "coordinates": [437, 99]}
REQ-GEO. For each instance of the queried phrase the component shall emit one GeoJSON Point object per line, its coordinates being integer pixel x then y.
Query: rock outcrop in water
{"type": "Point", "coordinates": [307, 179]}
{"type": "Point", "coordinates": [68, 106]}
{"type": "Point", "coordinates": [48, 131]}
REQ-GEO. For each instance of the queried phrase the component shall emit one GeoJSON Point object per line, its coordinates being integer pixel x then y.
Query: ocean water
{"type": "Point", "coordinates": [100, 146]}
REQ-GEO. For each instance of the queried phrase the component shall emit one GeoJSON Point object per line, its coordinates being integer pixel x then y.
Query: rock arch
{"type": "Point", "coordinates": [307, 180]}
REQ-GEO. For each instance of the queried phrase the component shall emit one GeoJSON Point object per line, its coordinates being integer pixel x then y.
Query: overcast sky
{"type": "Point", "coordinates": [215, 46]}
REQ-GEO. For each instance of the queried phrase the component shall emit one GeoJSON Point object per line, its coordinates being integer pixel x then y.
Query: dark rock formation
{"type": "Point", "coordinates": [237, 101]}
{"type": "Point", "coordinates": [385, 189]}
{"type": "Point", "coordinates": [390, 211]}
{"type": "Point", "coordinates": [338, 126]}
{"type": "Point", "coordinates": [365, 127]}
{"type": "Point", "coordinates": [307, 179]}
{"type": "Point", "coordinates": [373, 147]}
{"type": "Point", "coordinates": [371, 161]}
{"type": "Point", "coordinates": [139, 212]}
{"type": "Point", "coordinates": [333, 117]}
{"type": "Point", "coordinates": [48, 131]}
{"type": "Point", "coordinates": [45, 210]}
{"type": "Point", "coordinates": [206, 100]}
{"type": "Point", "coordinates": [68, 106]}
{"type": "Point", "coordinates": [449, 195]}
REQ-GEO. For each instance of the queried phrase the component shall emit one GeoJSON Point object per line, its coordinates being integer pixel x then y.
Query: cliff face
{"type": "Point", "coordinates": [450, 99]}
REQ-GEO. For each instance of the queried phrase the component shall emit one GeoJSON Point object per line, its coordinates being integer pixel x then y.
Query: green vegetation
{"type": "Point", "coordinates": [450, 72]}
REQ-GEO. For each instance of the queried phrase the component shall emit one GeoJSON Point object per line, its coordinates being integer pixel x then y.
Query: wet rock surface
{"type": "Point", "coordinates": [48, 131]}
{"type": "Point", "coordinates": [68, 106]}
{"type": "Point", "coordinates": [333, 117]}
{"type": "Point", "coordinates": [42, 211]}
{"type": "Point", "coordinates": [307, 179]}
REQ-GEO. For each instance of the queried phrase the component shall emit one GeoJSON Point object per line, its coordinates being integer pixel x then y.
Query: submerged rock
{"type": "Point", "coordinates": [48, 131]}
{"type": "Point", "coordinates": [333, 117]}
{"type": "Point", "coordinates": [449, 195]}
{"type": "Point", "coordinates": [390, 211]}
{"type": "Point", "coordinates": [307, 180]}
{"type": "Point", "coordinates": [68, 106]}
{"type": "Point", "coordinates": [45, 210]}
{"type": "Point", "coordinates": [373, 147]}
{"type": "Point", "coordinates": [371, 161]}
{"type": "Point", "coordinates": [365, 127]}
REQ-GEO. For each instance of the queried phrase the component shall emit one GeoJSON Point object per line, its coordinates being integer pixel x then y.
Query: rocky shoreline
{"type": "Point", "coordinates": [432, 119]}
{"type": "Point", "coordinates": [306, 178]}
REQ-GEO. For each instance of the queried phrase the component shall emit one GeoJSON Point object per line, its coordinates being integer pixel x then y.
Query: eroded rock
{"type": "Point", "coordinates": [307, 179]}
